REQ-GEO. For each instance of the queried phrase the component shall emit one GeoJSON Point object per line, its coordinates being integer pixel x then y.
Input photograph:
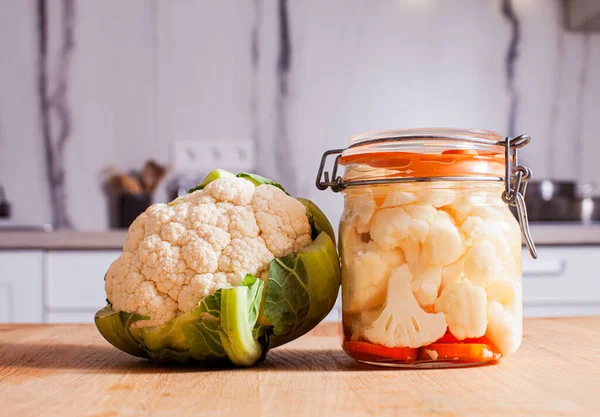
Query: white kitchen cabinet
{"type": "Point", "coordinates": [563, 281]}
{"type": "Point", "coordinates": [75, 284]}
{"type": "Point", "coordinates": [21, 299]}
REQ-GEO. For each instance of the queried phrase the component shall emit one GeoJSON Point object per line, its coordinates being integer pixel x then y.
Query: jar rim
{"type": "Point", "coordinates": [485, 137]}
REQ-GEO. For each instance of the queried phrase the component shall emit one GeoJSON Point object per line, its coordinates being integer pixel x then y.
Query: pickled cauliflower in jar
{"type": "Point", "coordinates": [430, 273]}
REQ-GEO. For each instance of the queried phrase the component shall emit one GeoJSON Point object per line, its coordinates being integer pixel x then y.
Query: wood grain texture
{"type": "Point", "coordinates": [69, 370]}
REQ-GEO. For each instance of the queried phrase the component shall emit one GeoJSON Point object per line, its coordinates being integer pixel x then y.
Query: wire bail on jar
{"type": "Point", "coordinates": [515, 180]}
{"type": "Point", "coordinates": [515, 186]}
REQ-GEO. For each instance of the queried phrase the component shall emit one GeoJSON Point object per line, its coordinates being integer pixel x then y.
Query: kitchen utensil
{"type": "Point", "coordinates": [123, 183]}
{"type": "Point", "coordinates": [588, 209]}
{"type": "Point", "coordinates": [152, 174]}
{"type": "Point", "coordinates": [552, 200]}
{"type": "Point", "coordinates": [130, 206]}
{"type": "Point", "coordinates": [130, 184]}
{"type": "Point", "coordinates": [587, 205]}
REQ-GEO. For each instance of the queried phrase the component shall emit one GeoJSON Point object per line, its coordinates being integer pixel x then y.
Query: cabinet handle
{"type": "Point", "coordinates": [548, 267]}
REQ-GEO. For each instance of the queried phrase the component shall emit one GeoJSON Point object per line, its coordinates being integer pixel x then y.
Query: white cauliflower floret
{"type": "Point", "coordinates": [405, 228]}
{"type": "Point", "coordinates": [242, 222]}
{"type": "Point", "coordinates": [231, 190]}
{"type": "Point", "coordinates": [427, 285]}
{"type": "Point", "coordinates": [426, 236]}
{"type": "Point", "coordinates": [393, 257]}
{"type": "Point", "coordinates": [365, 280]}
{"type": "Point", "coordinates": [349, 243]}
{"type": "Point", "coordinates": [245, 254]}
{"type": "Point", "coordinates": [402, 321]}
{"type": "Point", "coordinates": [443, 245]}
{"type": "Point", "coordinates": [464, 306]}
{"type": "Point", "coordinates": [202, 285]}
{"type": "Point", "coordinates": [422, 212]}
{"type": "Point", "coordinates": [128, 288]}
{"type": "Point", "coordinates": [487, 211]}
{"type": "Point", "coordinates": [482, 264]}
{"type": "Point", "coordinates": [200, 256]}
{"type": "Point", "coordinates": [505, 328]}
{"type": "Point", "coordinates": [463, 205]}
{"type": "Point", "coordinates": [282, 220]}
{"type": "Point", "coordinates": [391, 226]}
{"type": "Point", "coordinates": [178, 253]}
{"type": "Point", "coordinates": [503, 290]}
{"type": "Point", "coordinates": [136, 233]}
{"type": "Point", "coordinates": [452, 273]}
{"type": "Point", "coordinates": [490, 244]}
{"type": "Point", "coordinates": [360, 211]}
{"type": "Point", "coordinates": [437, 197]}
{"type": "Point", "coordinates": [398, 198]}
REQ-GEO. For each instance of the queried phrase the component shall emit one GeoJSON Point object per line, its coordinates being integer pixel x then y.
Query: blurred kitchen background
{"type": "Point", "coordinates": [94, 90]}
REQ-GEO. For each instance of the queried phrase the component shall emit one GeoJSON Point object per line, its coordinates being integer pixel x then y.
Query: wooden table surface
{"type": "Point", "coordinates": [69, 370]}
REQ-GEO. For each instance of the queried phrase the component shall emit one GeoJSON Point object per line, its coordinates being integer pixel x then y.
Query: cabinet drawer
{"type": "Point", "coordinates": [21, 299]}
{"type": "Point", "coordinates": [75, 279]}
{"type": "Point", "coordinates": [563, 277]}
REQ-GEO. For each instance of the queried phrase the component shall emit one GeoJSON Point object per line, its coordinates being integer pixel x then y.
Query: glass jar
{"type": "Point", "coordinates": [430, 251]}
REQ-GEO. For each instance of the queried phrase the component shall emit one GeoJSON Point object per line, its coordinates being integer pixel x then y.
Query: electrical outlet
{"type": "Point", "coordinates": [199, 156]}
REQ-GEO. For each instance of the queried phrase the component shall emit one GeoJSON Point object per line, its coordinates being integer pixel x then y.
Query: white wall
{"type": "Point", "coordinates": [145, 73]}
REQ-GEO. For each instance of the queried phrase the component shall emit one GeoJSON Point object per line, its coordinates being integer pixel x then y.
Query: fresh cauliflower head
{"type": "Point", "coordinates": [178, 253]}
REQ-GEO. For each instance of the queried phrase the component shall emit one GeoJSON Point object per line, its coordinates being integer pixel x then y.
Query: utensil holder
{"type": "Point", "coordinates": [130, 206]}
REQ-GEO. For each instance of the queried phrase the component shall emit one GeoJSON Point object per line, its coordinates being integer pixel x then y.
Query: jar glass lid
{"type": "Point", "coordinates": [425, 141]}
{"type": "Point", "coordinates": [478, 135]}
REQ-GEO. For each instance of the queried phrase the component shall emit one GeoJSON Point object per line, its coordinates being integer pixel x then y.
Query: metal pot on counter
{"type": "Point", "coordinates": [562, 201]}
{"type": "Point", "coordinates": [587, 206]}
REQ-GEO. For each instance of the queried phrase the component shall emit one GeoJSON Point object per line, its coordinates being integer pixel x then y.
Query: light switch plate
{"type": "Point", "coordinates": [202, 155]}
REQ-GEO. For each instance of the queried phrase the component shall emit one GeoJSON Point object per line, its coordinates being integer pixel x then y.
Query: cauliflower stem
{"type": "Point", "coordinates": [237, 323]}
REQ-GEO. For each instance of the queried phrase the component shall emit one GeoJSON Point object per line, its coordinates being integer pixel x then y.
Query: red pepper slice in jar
{"type": "Point", "coordinates": [459, 352]}
{"type": "Point", "coordinates": [371, 352]}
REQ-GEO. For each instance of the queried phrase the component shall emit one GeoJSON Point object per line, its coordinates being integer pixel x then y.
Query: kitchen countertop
{"type": "Point", "coordinates": [543, 234]}
{"type": "Point", "coordinates": [69, 370]}
{"type": "Point", "coordinates": [67, 239]}
{"type": "Point", "coordinates": [565, 233]}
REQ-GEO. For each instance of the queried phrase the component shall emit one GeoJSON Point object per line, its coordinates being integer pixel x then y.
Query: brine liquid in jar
{"type": "Point", "coordinates": [431, 269]}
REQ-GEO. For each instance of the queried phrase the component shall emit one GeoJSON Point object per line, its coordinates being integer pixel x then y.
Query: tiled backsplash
{"type": "Point", "coordinates": [114, 82]}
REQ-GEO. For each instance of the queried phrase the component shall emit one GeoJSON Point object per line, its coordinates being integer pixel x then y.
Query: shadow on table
{"type": "Point", "coordinates": [90, 358]}
{"type": "Point", "coordinates": [329, 360]}
{"type": "Point", "coordinates": [107, 359]}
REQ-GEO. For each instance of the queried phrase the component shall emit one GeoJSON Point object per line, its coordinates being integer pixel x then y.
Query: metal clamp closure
{"type": "Point", "coordinates": [336, 182]}
{"type": "Point", "coordinates": [515, 186]}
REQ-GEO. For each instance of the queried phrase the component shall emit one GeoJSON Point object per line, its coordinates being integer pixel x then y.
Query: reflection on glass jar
{"type": "Point", "coordinates": [431, 269]}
